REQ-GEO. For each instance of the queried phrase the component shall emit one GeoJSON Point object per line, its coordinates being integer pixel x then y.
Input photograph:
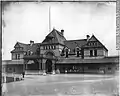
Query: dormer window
{"type": "Point", "coordinates": [74, 50]}
{"type": "Point", "coordinates": [66, 50]}
{"type": "Point", "coordinates": [25, 53]}
{"type": "Point", "coordinates": [38, 51]}
{"type": "Point", "coordinates": [62, 52]}
{"type": "Point", "coordinates": [78, 51]}
{"type": "Point", "coordinates": [29, 52]}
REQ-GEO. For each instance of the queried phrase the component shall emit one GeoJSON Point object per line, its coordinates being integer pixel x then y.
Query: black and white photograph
{"type": "Point", "coordinates": [60, 48]}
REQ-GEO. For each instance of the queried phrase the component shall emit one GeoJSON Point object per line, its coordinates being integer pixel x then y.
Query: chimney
{"type": "Point", "coordinates": [62, 32]}
{"type": "Point", "coordinates": [87, 37]}
{"type": "Point", "coordinates": [31, 42]}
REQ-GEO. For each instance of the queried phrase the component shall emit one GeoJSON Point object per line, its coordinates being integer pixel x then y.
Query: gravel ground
{"type": "Point", "coordinates": [64, 85]}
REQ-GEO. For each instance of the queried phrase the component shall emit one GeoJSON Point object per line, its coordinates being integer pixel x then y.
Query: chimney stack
{"type": "Point", "coordinates": [88, 37]}
{"type": "Point", "coordinates": [62, 32]}
{"type": "Point", "coordinates": [31, 42]}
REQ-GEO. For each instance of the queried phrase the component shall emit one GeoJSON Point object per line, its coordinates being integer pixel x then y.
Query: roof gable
{"type": "Point", "coordinates": [93, 38]}
{"type": "Point", "coordinates": [26, 47]}
{"type": "Point", "coordinates": [94, 42]}
{"type": "Point", "coordinates": [54, 37]}
{"type": "Point", "coordinates": [17, 45]}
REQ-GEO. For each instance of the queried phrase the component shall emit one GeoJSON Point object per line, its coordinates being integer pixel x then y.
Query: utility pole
{"type": "Point", "coordinates": [49, 19]}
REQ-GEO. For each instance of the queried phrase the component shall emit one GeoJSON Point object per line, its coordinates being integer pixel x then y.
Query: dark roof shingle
{"type": "Point", "coordinates": [26, 47]}
{"type": "Point", "coordinates": [72, 44]}
{"type": "Point", "coordinates": [54, 37]}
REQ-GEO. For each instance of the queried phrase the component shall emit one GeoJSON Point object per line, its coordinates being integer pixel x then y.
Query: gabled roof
{"type": "Point", "coordinates": [72, 44]}
{"type": "Point", "coordinates": [54, 37]}
{"type": "Point", "coordinates": [26, 47]}
{"type": "Point", "coordinates": [99, 44]}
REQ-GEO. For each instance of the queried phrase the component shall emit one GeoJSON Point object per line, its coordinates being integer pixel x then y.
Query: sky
{"type": "Point", "coordinates": [27, 21]}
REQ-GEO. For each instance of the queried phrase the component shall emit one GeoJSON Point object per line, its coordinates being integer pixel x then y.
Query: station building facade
{"type": "Point", "coordinates": [87, 55]}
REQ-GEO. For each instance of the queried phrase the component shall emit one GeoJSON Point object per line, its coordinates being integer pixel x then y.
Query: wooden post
{"type": "Point", "coordinates": [25, 66]}
{"type": "Point", "coordinates": [39, 61]}
{"type": "Point", "coordinates": [44, 67]}
{"type": "Point", "coordinates": [53, 67]}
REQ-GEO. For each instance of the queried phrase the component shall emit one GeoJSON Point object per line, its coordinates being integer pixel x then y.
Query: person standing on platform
{"type": "Point", "coordinates": [23, 74]}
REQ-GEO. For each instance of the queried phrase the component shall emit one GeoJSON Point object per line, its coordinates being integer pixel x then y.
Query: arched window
{"type": "Point", "coordinates": [49, 54]}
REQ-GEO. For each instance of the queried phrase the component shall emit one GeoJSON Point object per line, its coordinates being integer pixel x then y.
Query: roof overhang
{"type": "Point", "coordinates": [107, 60]}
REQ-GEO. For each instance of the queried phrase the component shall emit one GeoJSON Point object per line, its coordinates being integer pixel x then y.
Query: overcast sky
{"type": "Point", "coordinates": [30, 21]}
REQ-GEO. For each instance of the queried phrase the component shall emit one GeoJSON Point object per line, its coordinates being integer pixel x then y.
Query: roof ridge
{"type": "Point", "coordinates": [77, 40]}
{"type": "Point", "coordinates": [21, 43]}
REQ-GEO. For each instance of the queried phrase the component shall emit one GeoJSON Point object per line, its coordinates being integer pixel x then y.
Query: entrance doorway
{"type": "Point", "coordinates": [49, 66]}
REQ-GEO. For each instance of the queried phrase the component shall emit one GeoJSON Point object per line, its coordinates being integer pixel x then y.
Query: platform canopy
{"type": "Point", "coordinates": [78, 60]}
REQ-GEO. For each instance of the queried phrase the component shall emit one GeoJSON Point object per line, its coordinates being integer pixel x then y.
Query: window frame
{"type": "Point", "coordinates": [91, 53]}
{"type": "Point", "coordinates": [95, 52]}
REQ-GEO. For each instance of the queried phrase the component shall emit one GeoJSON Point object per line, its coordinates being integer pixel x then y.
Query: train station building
{"type": "Point", "coordinates": [55, 53]}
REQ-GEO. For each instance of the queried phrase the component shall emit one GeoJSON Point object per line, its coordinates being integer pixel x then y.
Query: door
{"type": "Point", "coordinates": [49, 66]}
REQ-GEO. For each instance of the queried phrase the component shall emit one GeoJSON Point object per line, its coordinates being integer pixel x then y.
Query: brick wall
{"type": "Point", "coordinates": [14, 56]}
{"type": "Point", "coordinates": [56, 51]}
{"type": "Point", "coordinates": [100, 53]}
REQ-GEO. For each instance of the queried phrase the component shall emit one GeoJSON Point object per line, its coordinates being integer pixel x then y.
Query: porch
{"type": "Point", "coordinates": [39, 64]}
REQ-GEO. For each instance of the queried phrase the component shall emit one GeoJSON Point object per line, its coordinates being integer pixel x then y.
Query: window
{"type": "Point", "coordinates": [89, 44]}
{"type": "Point", "coordinates": [15, 56]}
{"type": "Point", "coordinates": [74, 50]}
{"type": "Point", "coordinates": [46, 47]}
{"type": "Point", "coordinates": [66, 53]}
{"type": "Point", "coordinates": [77, 53]}
{"type": "Point", "coordinates": [49, 47]}
{"type": "Point", "coordinates": [18, 56]}
{"type": "Point", "coordinates": [29, 52]}
{"type": "Point", "coordinates": [91, 52]}
{"type": "Point", "coordinates": [9, 68]}
{"type": "Point", "coordinates": [109, 68]}
{"type": "Point", "coordinates": [54, 47]}
{"type": "Point", "coordinates": [95, 52]}
{"type": "Point", "coordinates": [62, 53]}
